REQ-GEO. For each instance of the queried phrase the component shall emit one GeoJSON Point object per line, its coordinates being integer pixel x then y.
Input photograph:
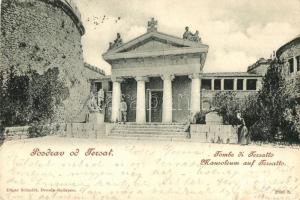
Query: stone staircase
{"type": "Point", "coordinates": [151, 131]}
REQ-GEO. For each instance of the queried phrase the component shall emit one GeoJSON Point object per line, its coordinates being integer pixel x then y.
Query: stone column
{"type": "Point", "coordinates": [295, 65]}
{"type": "Point", "coordinates": [213, 84]}
{"type": "Point", "coordinates": [244, 84]}
{"type": "Point", "coordinates": [141, 100]}
{"type": "Point", "coordinates": [116, 100]}
{"type": "Point", "coordinates": [222, 84]}
{"type": "Point", "coordinates": [195, 93]}
{"type": "Point", "coordinates": [235, 84]}
{"type": "Point", "coordinates": [167, 99]}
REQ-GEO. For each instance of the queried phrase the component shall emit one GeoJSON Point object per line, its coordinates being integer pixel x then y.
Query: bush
{"type": "Point", "coordinates": [199, 117]}
{"type": "Point", "coordinates": [37, 130]}
{"type": "Point", "coordinates": [227, 105]}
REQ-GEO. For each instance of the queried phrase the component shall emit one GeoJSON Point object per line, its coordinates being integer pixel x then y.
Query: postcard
{"type": "Point", "coordinates": [169, 99]}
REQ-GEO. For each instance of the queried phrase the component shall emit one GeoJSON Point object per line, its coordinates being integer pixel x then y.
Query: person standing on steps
{"type": "Point", "coordinates": [123, 109]}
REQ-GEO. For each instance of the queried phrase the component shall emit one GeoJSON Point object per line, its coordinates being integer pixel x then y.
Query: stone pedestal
{"type": "Point", "coordinates": [96, 118]}
{"type": "Point", "coordinates": [213, 118]}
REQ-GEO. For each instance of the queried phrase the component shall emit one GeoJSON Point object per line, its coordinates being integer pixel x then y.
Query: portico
{"type": "Point", "coordinates": [153, 62]}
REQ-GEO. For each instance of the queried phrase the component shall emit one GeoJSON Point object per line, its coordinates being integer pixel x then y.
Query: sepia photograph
{"type": "Point", "coordinates": [149, 99]}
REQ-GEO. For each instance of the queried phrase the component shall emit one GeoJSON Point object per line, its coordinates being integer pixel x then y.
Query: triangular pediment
{"type": "Point", "coordinates": [154, 43]}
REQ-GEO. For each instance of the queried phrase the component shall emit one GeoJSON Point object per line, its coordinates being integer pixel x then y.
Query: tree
{"type": "Point", "coordinates": [227, 105]}
{"type": "Point", "coordinates": [278, 110]}
{"type": "Point", "coordinates": [30, 98]}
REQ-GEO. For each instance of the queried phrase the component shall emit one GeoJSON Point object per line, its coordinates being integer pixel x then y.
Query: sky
{"type": "Point", "coordinates": [238, 32]}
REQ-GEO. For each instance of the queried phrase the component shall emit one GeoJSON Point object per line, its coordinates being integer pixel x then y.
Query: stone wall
{"type": "Point", "coordinates": [39, 35]}
{"type": "Point", "coordinates": [214, 133]}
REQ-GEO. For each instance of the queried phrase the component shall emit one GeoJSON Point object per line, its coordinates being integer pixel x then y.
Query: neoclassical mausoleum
{"type": "Point", "coordinates": [161, 77]}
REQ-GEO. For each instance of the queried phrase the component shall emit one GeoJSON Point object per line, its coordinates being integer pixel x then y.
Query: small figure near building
{"type": "Point", "coordinates": [123, 109]}
{"type": "Point", "coordinates": [243, 133]}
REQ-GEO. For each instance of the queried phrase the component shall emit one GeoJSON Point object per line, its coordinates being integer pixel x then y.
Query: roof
{"type": "Point", "coordinates": [261, 61]}
{"type": "Point", "coordinates": [185, 46]}
{"type": "Point", "coordinates": [231, 74]}
{"type": "Point", "coordinates": [287, 46]}
{"type": "Point", "coordinates": [96, 69]}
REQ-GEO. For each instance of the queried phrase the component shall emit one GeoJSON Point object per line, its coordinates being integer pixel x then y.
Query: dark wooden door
{"type": "Point", "coordinates": [156, 106]}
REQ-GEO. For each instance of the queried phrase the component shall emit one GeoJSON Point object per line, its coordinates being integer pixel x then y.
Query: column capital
{"type": "Point", "coordinates": [195, 75]}
{"type": "Point", "coordinates": [117, 79]}
{"type": "Point", "coordinates": [142, 78]}
{"type": "Point", "coordinates": [167, 77]}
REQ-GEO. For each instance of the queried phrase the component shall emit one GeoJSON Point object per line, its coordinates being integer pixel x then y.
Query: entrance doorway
{"type": "Point", "coordinates": [155, 105]}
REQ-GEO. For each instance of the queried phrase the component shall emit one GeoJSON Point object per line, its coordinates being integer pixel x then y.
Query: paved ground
{"type": "Point", "coordinates": [72, 168]}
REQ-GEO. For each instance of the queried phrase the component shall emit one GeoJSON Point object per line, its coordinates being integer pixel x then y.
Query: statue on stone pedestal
{"type": "Point", "coordinates": [92, 104]}
{"type": "Point", "coordinates": [100, 96]}
{"type": "Point", "coordinates": [117, 42]}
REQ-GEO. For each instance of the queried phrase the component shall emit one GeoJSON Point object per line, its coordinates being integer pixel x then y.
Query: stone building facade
{"type": "Point", "coordinates": [289, 54]}
{"type": "Point", "coordinates": [42, 34]}
{"type": "Point", "coordinates": [161, 78]}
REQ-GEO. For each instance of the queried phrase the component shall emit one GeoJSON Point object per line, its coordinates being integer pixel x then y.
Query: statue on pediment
{"type": "Point", "coordinates": [152, 25]}
{"type": "Point", "coordinates": [188, 35]}
{"type": "Point", "coordinates": [117, 42]}
{"type": "Point", "coordinates": [196, 37]}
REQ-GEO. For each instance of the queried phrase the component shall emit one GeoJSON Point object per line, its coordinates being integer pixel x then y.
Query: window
{"type": "Point", "coordinates": [291, 65]}
{"type": "Point", "coordinates": [217, 83]}
{"type": "Point", "coordinates": [110, 86]}
{"type": "Point", "coordinates": [240, 84]}
{"type": "Point", "coordinates": [206, 84]}
{"type": "Point", "coordinates": [98, 86]}
{"type": "Point", "coordinates": [228, 84]}
{"type": "Point", "coordinates": [251, 84]}
{"type": "Point", "coordinates": [298, 63]}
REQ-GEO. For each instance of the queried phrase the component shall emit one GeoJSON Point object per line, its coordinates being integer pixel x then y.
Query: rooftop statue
{"type": "Point", "coordinates": [117, 42]}
{"type": "Point", "coordinates": [152, 25]}
{"type": "Point", "coordinates": [188, 35]}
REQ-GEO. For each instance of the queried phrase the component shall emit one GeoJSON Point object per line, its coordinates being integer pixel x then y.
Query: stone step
{"type": "Point", "coordinates": [152, 137]}
{"type": "Point", "coordinates": [150, 129]}
{"type": "Point", "coordinates": [153, 131]}
{"type": "Point", "coordinates": [167, 132]}
{"type": "Point", "coordinates": [149, 126]}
